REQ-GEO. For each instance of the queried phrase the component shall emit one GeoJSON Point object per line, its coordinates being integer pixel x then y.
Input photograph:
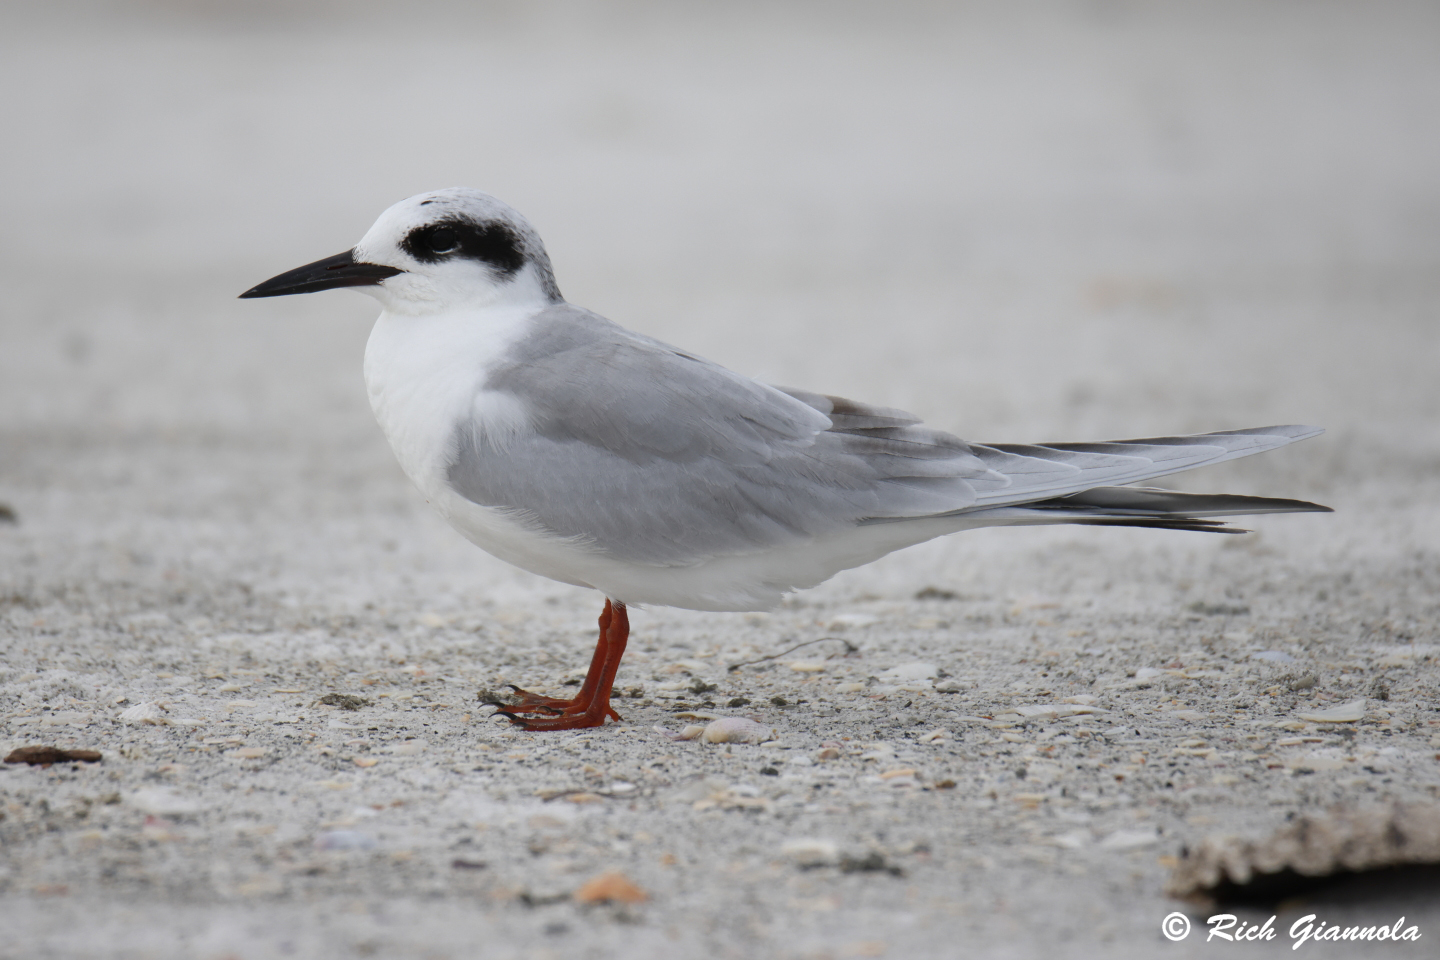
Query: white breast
{"type": "Point", "coordinates": [424, 375]}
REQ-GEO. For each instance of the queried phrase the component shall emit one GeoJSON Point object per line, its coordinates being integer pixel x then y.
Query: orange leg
{"type": "Point", "coordinates": [592, 704]}
{"type": "Point", "coordinates": [538, 703]}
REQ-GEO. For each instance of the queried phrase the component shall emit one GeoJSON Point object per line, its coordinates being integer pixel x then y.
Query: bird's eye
{"type": "Point", "coordinates": [442, 240]}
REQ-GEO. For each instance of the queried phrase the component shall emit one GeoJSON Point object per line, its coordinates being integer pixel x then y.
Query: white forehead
{"type": "Point", "coordinates": [447, 204]}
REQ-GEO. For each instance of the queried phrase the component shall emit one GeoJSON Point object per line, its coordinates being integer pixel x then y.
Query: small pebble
{"type": "Point", "coordinates": [344, 701]}
{"type": "Point", "coordinates": [872, 862]}
{"type": "Point", "coordinates": [459, 864]}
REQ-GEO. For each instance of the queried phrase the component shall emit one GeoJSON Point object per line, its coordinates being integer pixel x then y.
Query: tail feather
{"type": "Point", "coordinates": [1146, 507]}
{"type": "Point", "coordinates": [1152, 501]}
{"type": "Point", "coordinates": [1020, 473]}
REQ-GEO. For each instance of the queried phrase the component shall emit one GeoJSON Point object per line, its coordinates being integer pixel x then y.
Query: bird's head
{"type": "Point", "coordinates": [448, 248]}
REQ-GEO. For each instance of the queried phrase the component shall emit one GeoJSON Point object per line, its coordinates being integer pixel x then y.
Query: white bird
{"type": "Point", "coordinates": [575, 449]}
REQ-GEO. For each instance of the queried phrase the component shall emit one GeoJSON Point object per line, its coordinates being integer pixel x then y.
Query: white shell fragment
{"type": "Point", "coordinates": [909, 672]}
{"type": "Point", "coordinates": [1351, 712]}
{"type": "Point", "coordinates": [1047, 711]}
{"type": "Point", "coordinates": [689, 733]}
{"type": "Point", "coordinates": [845, 620]}
{"type": "Point", "coordinates": [162, 802]}
{"type": "Point", "coordinates": [737, 730]}
{"type": "Point", "coordinates": [811, 851]}
{"type": "Point", "coordinates": [724, 730]}
{"type": "Point", "coordinates": [1130, 839]}
{"type": "Point", "coordinates": [144, 713]}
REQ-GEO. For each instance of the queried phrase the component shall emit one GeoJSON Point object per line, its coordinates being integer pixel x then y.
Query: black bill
{"type": "Point", "coordinates": [341, 270]}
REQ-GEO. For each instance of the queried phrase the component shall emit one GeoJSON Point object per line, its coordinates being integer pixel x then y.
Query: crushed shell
{"type": "Point", "coordinates": [610, 887]}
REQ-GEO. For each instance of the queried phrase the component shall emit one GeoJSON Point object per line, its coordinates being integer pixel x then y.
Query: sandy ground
{"type": "Point", "coordinates": [1077, 222]}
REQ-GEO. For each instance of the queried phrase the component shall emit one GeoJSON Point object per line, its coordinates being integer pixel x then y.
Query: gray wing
{"type": "Point", "coordinates": [655, 456]}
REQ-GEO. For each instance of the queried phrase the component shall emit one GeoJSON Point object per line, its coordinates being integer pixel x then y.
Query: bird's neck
{"type": "Point", "coordinates": [425, 374]}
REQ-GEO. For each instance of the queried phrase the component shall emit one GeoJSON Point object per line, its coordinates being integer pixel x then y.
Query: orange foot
{"type": "Point", "coordinates": [592, 704]}
{"type": "Point", "coordinates": [527, 702]}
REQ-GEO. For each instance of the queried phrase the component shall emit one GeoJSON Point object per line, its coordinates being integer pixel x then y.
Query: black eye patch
{"type": "Point", "coordinates": [492, 243]}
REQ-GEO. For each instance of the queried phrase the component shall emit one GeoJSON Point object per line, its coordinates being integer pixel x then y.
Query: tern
{"type": "Point", "coordinates": [575, 449]}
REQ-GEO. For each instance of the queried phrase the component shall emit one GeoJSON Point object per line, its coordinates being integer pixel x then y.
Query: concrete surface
{"type": "Point", "coordinates": [1067, 221]}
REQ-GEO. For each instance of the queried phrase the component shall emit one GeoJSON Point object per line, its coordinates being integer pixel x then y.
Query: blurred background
{"type": "Point", "coordinates": [1063, 220]}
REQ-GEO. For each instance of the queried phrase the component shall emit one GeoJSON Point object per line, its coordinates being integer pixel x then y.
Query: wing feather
{"type": "Point", "coordinates": [651, 455]}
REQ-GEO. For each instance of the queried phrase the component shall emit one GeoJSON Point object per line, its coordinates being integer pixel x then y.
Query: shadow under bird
{"type": "Point", "coordinates": [569, 446]}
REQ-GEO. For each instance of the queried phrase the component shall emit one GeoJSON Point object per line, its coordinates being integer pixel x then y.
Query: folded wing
{"type": "Point", "coordinates": [650, 455]}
